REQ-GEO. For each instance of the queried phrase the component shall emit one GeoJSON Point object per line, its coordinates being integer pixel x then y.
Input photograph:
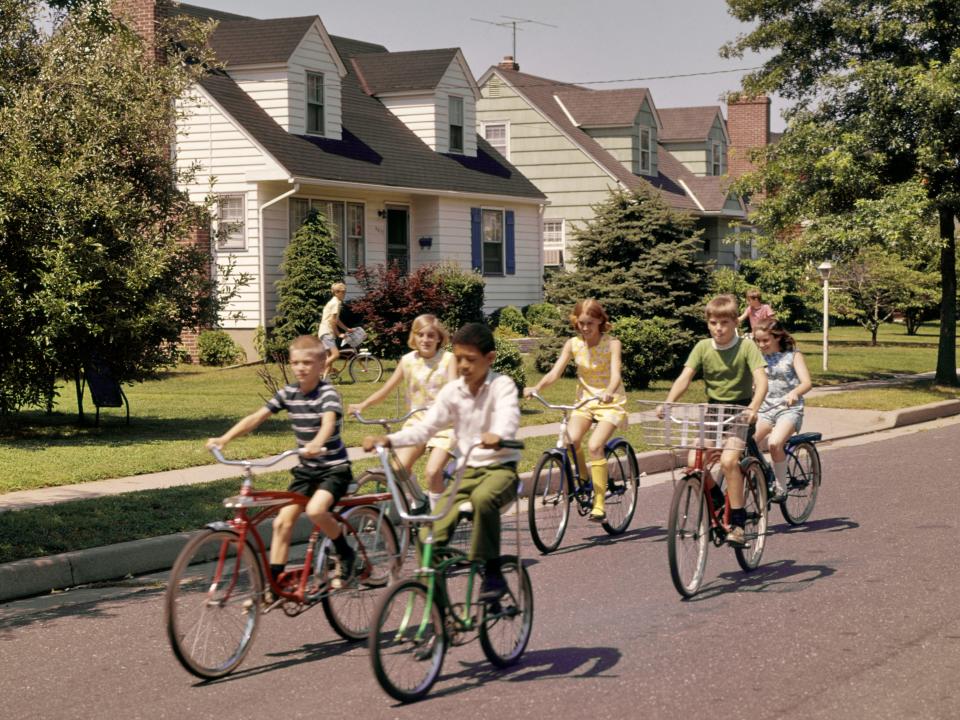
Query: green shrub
{"type": "Point", "coordinates": [543, 314]}
{"type": "Point", "coordinates": [510, 363]}
{"type": "Point", "coordinates": [505, 333]}
{"type": "Point", "coordinates": [465, 288]}
{"type": "Point", "coordinates": [511, 318]}
{"type": "Point", "coordinates": [217, 348]}
{"type": "Point", "coordinates": [653, 349]}
{"type": "Point", "coordinates": [547, 353]}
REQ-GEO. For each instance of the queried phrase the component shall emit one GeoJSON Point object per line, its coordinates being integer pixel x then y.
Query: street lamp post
{"type": "Point", "coordinates": [825, 268]}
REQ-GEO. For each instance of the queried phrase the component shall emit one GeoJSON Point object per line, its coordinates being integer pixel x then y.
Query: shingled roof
{"type": "Point", "coordinates": [206, 13]}
{"type": "Point", "coordinates": [605, 108]}
{"type": "Point", "coordinates": [259, 42]}
{"type": "Point", "coordinates": [376, 147]}
{"type": "Point", "coordinates": [402, 71]}
{"type": "Point", "coordinates": [687, 123]}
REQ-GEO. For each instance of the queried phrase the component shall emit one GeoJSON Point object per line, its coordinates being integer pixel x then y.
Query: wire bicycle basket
{"type": "Point", "coordinates": [355, 337]}
{"type": "Point", "coordinates": [692, 425]}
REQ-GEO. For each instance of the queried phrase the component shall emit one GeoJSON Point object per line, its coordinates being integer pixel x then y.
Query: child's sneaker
{"type": "Point", "coordinates": [736, 537]}
{"type": "Point", "coordinates": [779, 494]}
{"type": "Point", "coordinates": [494, 585]}
{"type": "Point", "coordinates": [344, 570]}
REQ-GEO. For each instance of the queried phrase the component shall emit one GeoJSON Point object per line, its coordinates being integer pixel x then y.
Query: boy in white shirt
{"type": "Point", "coordinates": [330, 325]}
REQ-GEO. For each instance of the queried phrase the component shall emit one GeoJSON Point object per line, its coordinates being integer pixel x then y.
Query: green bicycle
{"type": "Point", "coordinates": [418, 618]}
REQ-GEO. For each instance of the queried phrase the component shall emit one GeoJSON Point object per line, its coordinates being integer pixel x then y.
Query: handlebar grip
{"type": "Point", "coordinates": [512, 444]}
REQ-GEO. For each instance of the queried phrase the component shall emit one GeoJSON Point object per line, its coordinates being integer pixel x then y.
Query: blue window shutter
{"type": "Point", "coordinates": [476, 246]}
{"type": "Point", "coordinates": [511, 245]}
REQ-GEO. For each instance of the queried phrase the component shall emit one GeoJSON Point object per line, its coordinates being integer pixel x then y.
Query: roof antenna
{"type": "Point", "coordinates": [512, 22]}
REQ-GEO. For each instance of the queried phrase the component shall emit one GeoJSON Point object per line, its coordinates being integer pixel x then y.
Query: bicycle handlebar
{"type": "Point", "coordinates": [218, 454]}
{"type": "Point", "coordinates": [568, 408]}
{"type": "Point", "coordinates": [387, 421]}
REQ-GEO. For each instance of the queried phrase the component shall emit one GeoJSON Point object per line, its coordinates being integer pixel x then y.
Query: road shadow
{"type": "Point", "coordinates": [779, 576]}
{"type": "Point", "coordinates": [564, 662]}
{"type": "Point", "coordinates": [307, 653]}
{"type": "Point", "coordinates": [834, 524]}
{"type": "Point", "coordinates": [652, 532]}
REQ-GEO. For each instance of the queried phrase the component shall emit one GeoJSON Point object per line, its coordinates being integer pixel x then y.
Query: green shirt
{"type": "Point", "coordinates": [728, 374]}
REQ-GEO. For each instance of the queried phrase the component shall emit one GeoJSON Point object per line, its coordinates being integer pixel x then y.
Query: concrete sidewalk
{"type": "Point", "coordinates": [35, 576]}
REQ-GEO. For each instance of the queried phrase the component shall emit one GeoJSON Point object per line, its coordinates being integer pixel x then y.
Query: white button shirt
{"type": "Point", "coordinates": [495, 409]}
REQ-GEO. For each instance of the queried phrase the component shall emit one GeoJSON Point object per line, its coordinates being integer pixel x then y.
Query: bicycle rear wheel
{"type": "Point", "coordinates": [507, 623]}
{"type": "Point", "coordinates": [365, 368]}
{"type": "Point", "coordinates": [350, 610]}
{"type": "Point", "coordinates": [408, 643]}
{"type": "Point", "coordinates": [688, 535]}
{"type": "Point", "coordinates": [803, 469]}
{"type": "Point", "coordinates": [212, 603]}
{"type": "Point", "coordinates": [548, 509]}
{"type": "Point", "coordinates": [622, 487]}
{"type": "Point", "coordinates": [755, 503]}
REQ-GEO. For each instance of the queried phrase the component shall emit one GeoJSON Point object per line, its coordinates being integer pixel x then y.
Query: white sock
{"type": "Point", "coordinates": [780, 472]}
{"type": "Point", "coordinates": [434, 499]}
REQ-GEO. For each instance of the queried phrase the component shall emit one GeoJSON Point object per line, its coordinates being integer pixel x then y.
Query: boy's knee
{"type": "Point", "coordinates": [596, 449]}
{"type": "Point", "coordinates": [282, 525]}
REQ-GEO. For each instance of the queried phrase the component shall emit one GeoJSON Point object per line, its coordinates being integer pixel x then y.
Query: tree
{"type": "Point", "coordinates": [876, 85]}
{"type": "Point", "coordinates": [92, 268]}
{"type": "Point", "coordinates": [639, 259]}
{"type": "Point", "coordinates": [310, 266]}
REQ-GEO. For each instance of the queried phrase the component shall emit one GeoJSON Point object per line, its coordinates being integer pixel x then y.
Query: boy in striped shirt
{"type": "Point", "coordinates": [316, 413]}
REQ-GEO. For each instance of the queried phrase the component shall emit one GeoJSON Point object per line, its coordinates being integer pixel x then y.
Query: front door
{"type": "Point", "coordinates": [398, 238]}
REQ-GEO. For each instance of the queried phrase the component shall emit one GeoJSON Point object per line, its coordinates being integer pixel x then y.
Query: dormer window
{"type": "Point", "coordinates": [716, 165]}
{"type": "Point", "coordinates": [456, 124]}
{"type": "Point", "coordinates": [315, 123]}
{"type": "Point", "coordinates": [645, 150]}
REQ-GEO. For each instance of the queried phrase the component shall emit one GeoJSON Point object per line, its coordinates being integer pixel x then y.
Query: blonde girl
{"type": "Point", "coordinates": [423, 371]}
{"type": "Point", "coordinates": [597, 356]}
{"type": "Point", "coordinates": [781, 413]}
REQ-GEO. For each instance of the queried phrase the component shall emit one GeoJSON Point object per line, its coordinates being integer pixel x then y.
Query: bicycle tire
{"type": "Point", "coordinates": [548, 509]}
{"type": "Point", "coordinates": [688, 535]}
{"type": "Point", "coordinates": [350, 610]}
{"type": "Point", "coordinates": [755, 503]}
{"type": "Point", "coordinates": [623, 481]}
{"type": "Point", "coordinates": [365, 368]}
{"type": "Point", "coordinates": [803, 471]}
{"type": "Point", "coordinates": [211, 585]}
{"type": "Point", "coordinates": [504, 635]}
{"type": "Point", "coordinates": [396, 653]}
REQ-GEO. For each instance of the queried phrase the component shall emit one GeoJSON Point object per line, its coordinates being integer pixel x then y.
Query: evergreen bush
{"type": "Point", "coordinates": [547, 353]}
{"type": "Point", "coordinates": [509, 362]}
{"type": "Point", "coordinates": [652, 349]}
{"type": "Point", "coordinates": [217, 348]}
{"type": "Point", "coordinates": [511, 318]}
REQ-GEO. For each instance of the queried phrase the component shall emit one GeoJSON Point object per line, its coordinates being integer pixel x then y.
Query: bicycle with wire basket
{"type": "Point", "coordinates": [695, 519]}
{"type": "Point", "coordinates": [414, 500]}
{"type": "Point", "coordinates": [557, 484]}
{"type": "Point", "coordinates": [360, 364]}
{"type": "Point", "coordinates": [216, 591]}
{"type": "Point", "coordinates": [419, 617]}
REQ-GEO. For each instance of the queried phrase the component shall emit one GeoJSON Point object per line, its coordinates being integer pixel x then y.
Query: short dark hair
{"type": "Point", "coordinates": [476, 334]}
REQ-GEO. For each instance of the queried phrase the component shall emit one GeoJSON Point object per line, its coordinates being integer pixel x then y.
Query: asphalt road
{"type": "Point", "coordinates": [853, 616]}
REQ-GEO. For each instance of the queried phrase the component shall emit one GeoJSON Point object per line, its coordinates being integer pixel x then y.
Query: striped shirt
{"type": "Point", "coordinates": [306, 412]}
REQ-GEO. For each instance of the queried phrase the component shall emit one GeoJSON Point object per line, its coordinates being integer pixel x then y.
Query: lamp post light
{"type": "Point", "coordinates": [825, 268]}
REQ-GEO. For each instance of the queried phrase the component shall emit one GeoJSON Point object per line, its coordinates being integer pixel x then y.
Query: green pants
{"type": "Point", "coordinates": [488, 488]}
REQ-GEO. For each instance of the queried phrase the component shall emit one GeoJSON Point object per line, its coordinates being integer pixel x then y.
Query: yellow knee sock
{"type": "Point", "coordinates": [598, 474]}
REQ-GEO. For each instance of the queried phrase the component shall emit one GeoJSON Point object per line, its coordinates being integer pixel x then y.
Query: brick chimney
{"type": "Point", "coordinates": [748, 124]}
{"type": "Point", "coordinates": [508, 64]}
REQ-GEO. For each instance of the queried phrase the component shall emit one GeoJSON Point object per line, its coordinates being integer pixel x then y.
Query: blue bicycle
{"type": "Point", "coordinates": [803, 473]}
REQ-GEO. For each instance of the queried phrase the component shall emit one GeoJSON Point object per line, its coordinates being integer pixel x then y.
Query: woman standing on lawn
{"type": "Point", "coordinates": [427, 369]}
{"type": "Point", "coordinates": [597, 356]}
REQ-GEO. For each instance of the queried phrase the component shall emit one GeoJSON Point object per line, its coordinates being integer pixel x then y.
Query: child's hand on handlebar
{"type": "Point", "coordinates": [354, 409]}
{"type": "Point", "coordinates": [217, 442]}
{"type": "Point", "coordinates": [310, 450]}
{"type": "Point", "coordinates": [529, 392]}
{"type": "Point", "coordinates": [372, 441]}
{"type": "Point", "coordinates": [489, 440]}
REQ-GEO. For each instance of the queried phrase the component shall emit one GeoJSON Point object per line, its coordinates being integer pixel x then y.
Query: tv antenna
{"type": "Point", "coordinates": [513, 22]}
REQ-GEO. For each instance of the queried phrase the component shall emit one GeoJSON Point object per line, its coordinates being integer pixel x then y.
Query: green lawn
{"type": "Point", "coordinates": [887, 398]}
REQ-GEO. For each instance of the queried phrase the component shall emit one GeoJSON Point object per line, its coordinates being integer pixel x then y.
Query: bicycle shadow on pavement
{"type": "Point", "coordinates": [651, 532]}
{"type": "Point", "coordinates": [563, 662]}
{"type": "Point", "coordinates": [780, 576]}
{"type": "Point", "coordinates": [834, 524]}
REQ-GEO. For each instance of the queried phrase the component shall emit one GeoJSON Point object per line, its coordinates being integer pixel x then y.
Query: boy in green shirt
{"type": "Point", "coordinates": [734, 373]}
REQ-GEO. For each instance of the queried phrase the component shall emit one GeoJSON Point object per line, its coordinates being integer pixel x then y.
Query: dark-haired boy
{"type": "Point", "coordinates": [482, 405]}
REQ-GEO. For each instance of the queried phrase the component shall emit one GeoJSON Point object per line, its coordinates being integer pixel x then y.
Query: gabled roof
{"type": "Point", "coordinates": [237, 43]}
{"type": "Point", "coordinates": [376, 147]}
{"type": "Point", "coordinates": [410, 71]}
{"type": "Point", "coordinates": [605, 108]}
{"type": "Point", "coordinates": [690, 124]}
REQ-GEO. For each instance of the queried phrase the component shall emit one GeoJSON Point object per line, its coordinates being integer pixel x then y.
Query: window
{"type": "Point", "coordinates": [315, 124]}
{"type": "Point", "coordinates": [347, 226]}
{"type": "Point", "coordinates": [456, 124]}
{"type": "Point", "coordinates": [644, 150]}
{"type": "Point", "coordinates": [496, 135]}
{"type": "Point", "coordinates": [492, 227]}
{"type": "Point", "coordinates": [553, 242]}
{"type": "Point", "coordinates": [715, 169]}
{"type": "Point", "coordinates": [231, 231]}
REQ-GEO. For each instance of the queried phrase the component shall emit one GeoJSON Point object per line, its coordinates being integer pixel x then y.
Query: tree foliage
{"type": "Point", "coordinates": [90, 216]}
{"type": "Point", "coordinates": [639, 259]}
{"type": "Point", "coordinates": [870, 153]}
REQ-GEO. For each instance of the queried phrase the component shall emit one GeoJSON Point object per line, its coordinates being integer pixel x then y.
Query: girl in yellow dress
{"type": "Point", "coordinates": [597, 356]}
{"type": "Point", "coordinates": [426, 369]}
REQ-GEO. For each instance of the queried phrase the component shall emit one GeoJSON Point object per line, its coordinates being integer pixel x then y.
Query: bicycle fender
{"type": "Point", "coordinates": [613, 442]}
{"type": "Point", "coordinates": [810, 437]}
{"type": "Point", "coordinates": [221, 525]}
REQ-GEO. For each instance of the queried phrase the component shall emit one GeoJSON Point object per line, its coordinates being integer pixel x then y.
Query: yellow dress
{"type": "Point", "coordinates": [593, 376]}
{"type": "Point", "coordinates": [424, 377]}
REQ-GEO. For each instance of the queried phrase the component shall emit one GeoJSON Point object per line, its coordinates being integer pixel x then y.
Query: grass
{"type": "Point", "coordinates": [887, 398]}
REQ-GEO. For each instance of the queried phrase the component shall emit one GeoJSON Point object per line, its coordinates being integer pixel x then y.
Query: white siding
{"type": "Point", "coordinates": [454, 82]}
{"type": "Point", "coordinates": [417, 112]}
{"type": "Point", "coordinates": [312, 55]}
{"type": "Point", "coordinates": [269, 88]}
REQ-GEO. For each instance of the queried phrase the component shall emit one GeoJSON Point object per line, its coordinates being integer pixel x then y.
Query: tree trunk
{"type": "Point", "coordinates": [947, 351]}
{"type": "Point", "coordinates": [77, 380]}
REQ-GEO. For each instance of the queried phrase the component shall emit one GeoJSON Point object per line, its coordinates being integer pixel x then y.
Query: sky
{"type": "Point", "coordinates": [598, 43]}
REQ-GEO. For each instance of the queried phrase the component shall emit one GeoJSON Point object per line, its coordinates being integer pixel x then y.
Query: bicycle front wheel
{"type": "Point", "coordinates": [507, 623]}
{"type": "Point", "coordinates": [688, 535]}
{"type": "Point", "coordinates": [365, 368]}
{"type": "Point", "coordinates": [408, 643]}
{"type": "Point", "coordinates": [622, 487]}
{"type": "Point", "coordinates": [755, 503]}
{"type": "Point", "coordinates": [803, 469]}
{"type": "Point", "coordinates": [212, 603]}
{"type": "Point", "coordinates": [548, 508]}
{"type": "Point", "coordinates": [350, 610]}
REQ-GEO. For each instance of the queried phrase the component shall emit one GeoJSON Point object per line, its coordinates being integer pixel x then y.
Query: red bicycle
{"type": "Point", "coordinates": [216, 592]}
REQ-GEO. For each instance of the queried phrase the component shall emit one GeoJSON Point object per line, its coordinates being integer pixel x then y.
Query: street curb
{"type": "Point", "coordinates": [925, 413]}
